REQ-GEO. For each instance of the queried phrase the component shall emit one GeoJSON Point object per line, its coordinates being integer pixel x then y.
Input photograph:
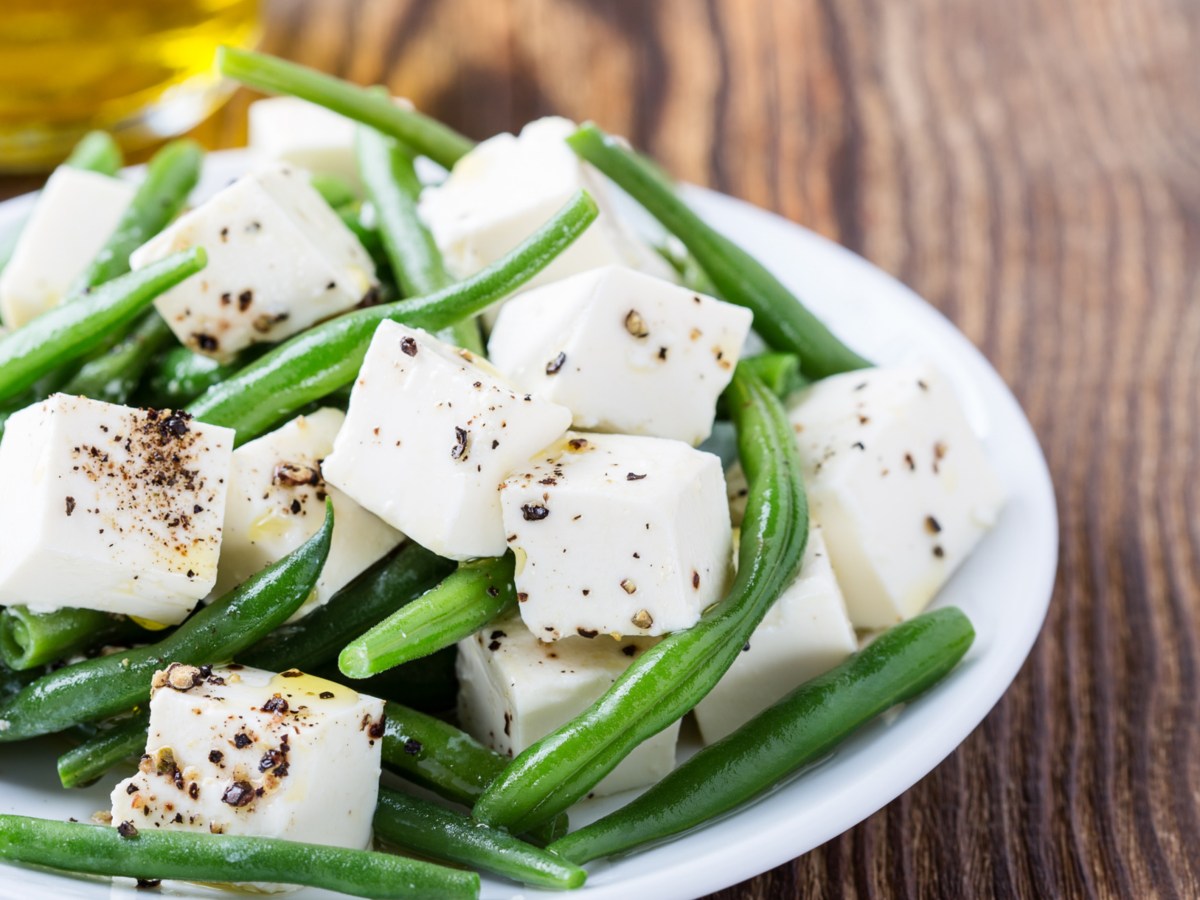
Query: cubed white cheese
{"type": "Point", "coordinates": [509, 186]}
{"type": "Point", "coordinates": [75, 215]}
{"type": "Point", "coordinates": [617, 534]}
{"type": "Point", "coordinates": [806, 632]}
{"type": "Point", "coordinates": [279, 260]}
{"type": "Point", "coordinates": [626, 352]}
{"type": "Point", "coordinates": [430, 435]}
{"type": "Point", "coordinates": [900, 484]}
{"type": "Point", "coordinates": [110, 508]}
{"type": "Point", "coordinates": [277, 502]}
{"type": "Point", "coordinates": [302, 134]}
{"type": "Point", "coordinates": [241, 751]}
{"type": "Point", "coordinates": [513, 690]}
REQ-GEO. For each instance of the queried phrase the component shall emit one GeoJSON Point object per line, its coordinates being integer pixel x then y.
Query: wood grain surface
{"type": "Point", "coordinates": [1032, 168]}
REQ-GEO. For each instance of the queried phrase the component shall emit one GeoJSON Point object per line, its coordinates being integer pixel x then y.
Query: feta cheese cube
{"type": "Point", "coordinates": [507, 187]}
{"type": "Point", "coordinates": [805, 633]}
{"type": "Point", "coordinates": [110, 508]}
{"type": "Point", "coordinates": [513, 690]}
{"type": "Point", "coordinates": [901, 485]}
{"type": "Point", "coordinates": [75, 215]}
{"type": "Point", "coordinates": [616, 534]}
{"type": "Point", "coordinates": [276, 503]}
{"type": "Point", "coordinates": [430, 435]}
{"type": "Point", "coordinates": [626, 352]}
{"type": "Point", "coordinates": [302, 134]}
{"type": "Point", "coordinates": [243, 751]}
{"type": "Point", "coordinates": [279, 260]}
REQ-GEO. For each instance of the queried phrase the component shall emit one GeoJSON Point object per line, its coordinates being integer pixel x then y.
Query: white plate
{"type": "Point", "coordinates": [1004, 587]}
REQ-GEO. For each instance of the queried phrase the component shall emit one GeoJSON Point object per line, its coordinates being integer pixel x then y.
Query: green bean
{"type": "Point", "coordinates": [85, 763]}
{"type": "Point", "coordinates": [170, 177]}
{"type": "Point", "coordinates": [397, 579]}
{"type": "Point", "coordinates": [29, 639]}
{"type": "Point", "coordinates": [67, 332]}
{"type": "Point", "coordinates": [95, 152]}
{"type": "Point", "coordinates": [276, 76]}
{"type": "Point", "coordinates": [394, 189]}
{"type": "Point", "coordinates": [109, 685]}
{"type": "Point", "coordinates": [778, 316]}
{"type": "Point", "coordinates": [435, 832]}
{"type": "Point", "coordinates": [458, 607]}
{"type": "Point", "coordinates": [429, 684]}
{"type": "Point", "coordinates": [115, 375]}
{"type": "Point", "coordinates": [11, 681]}
{"type": "Point", "coordinates": [189, 856]}
{"type": "Point", "coordinates": [667, 680]}
{"type": "Point", "coordinates": [780, 372]}
{"type": "Point", "coordinates": [324, 358]}
{"type": "Point", "coordinates": [179, 376]}
{"type": "Point", "coordinates": [801, 728]}
{"type": "Point", "coordinates": [333, 190]}
{"type": "Point", "coordinates": [429, 752]}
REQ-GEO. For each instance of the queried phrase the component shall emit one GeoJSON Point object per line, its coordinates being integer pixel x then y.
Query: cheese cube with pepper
{"type": "Point", "coordinates": [235, 750]}
{"type": "Point", "coordinates": [617, 534]}
{"type": "Point", "coordinates": [111, 508]}
{"type": "Point", "coordinates": [509, 186]}
{"type": "Point", "coordinates": [806, 632]}
{"type": "Point", "coordinates": [279, 260]}
{"type": "Point", "coordinates": [514, 690]}
{"type": "Point", "coordinates": [277, 502]}
{"type": "Point", "coordinates": [75, 214]}
{"type": "Point", "coordinates": [431, 433]}
{"type": "Point", "coordinates": [624, 351]}
{"type": "Point", "coordinates": [902, 487]}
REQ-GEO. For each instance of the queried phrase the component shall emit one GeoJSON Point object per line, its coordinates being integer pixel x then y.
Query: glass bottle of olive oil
{"type": "Point", "coordinates": [140, 68]}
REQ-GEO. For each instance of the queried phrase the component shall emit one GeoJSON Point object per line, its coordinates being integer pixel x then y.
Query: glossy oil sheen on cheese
{"type": "Point", "coordinates": [277, 502]}
{"type": "Point", "coordinates": [279, 260]}
{"type": "Point", "coordinates": [617, 534]}
{"type": "Point", "coordinates": [429, 437]}
{"type": "Point", "coordinates": [900, 484]}
{"type": "Point", "coordinates": [75, 215]}
{"type": "Point", "coordinates": [514, 690]}
{"type": "Point", "coordinates": [624, 351]}
{"type": "Point", "coordinates": [110, 508]}
{"type": "Point", "coordinates": [250, 752]}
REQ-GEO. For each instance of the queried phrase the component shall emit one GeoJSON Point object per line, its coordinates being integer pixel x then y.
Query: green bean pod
{"type": "Point", "coordinates": [29, 639]}
{"type": "Point", "coordinates": [394, 581]}
{"type": "Point", "coordinates": [87, 761]}
{"type": "Point", "coordinates": [67, 332]}
{"type": "Point", "coordinates": [170, 177]}
{"type": "Point", "coordinates": [328, 356]}
{"type": "Point", "coordinates": [394, 189]}
{"type": "Point", "coordinates": [108, 685]}
{"type": "Point", "coordinates": [801, 728]}
{"type": "Point", "coordinates": [436, 755]}
{"type": "Point", "coordinates": [669, 679]}
{"type": "Point", "coordinates": [458, 607]}
{"type": "Point", "coordinates": [333, 190]}
{"type": "Point", "coordinates": [214, 858]}
{"type": "Point", "coordinates": [115, 375]}
{"type": "Point", "coordinates": [438, 833]}
{"type": "Point", "coordinates": [778, 316]}
{"type": "Point", "coordinates": [426, 136]}
{"type": "Point", "coordinates": [178, 376]}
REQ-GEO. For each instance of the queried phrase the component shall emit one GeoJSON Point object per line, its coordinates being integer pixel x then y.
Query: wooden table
{"type": "Point", "coordinates": [1032, 168]}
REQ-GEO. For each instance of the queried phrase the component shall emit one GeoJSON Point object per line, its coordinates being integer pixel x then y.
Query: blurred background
{"type": "Point", "coordinates": [1031, 167]}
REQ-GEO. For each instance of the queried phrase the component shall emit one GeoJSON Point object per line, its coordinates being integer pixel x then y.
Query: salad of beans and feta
{"type": "Point", "coordinates": [397, 453]}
